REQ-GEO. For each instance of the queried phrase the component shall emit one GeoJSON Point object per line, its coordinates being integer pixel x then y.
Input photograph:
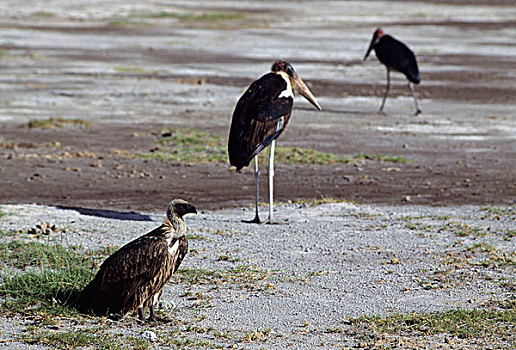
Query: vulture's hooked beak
{"type": "Point", "coordinates": [305, 91]}
{"type": "Point", "coordinates": [191, 209]}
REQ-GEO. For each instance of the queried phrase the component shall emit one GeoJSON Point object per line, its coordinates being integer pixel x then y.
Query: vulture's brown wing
{"type": "Point", "coordinates": [122, 273]}
{"type": "Point", "coordinates": [142, 257]}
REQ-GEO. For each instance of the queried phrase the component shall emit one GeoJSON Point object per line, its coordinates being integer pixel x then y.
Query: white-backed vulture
{"type": "Point", "coordinates": [133, 277]}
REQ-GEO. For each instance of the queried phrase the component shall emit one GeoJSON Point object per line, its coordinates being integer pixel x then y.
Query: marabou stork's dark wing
{"type": "Point", "coordinates": [398, 56]}
{"type": "Point", "coordinates": [255, 120]}
{"type": "Point", "coordinates": [125, 271]}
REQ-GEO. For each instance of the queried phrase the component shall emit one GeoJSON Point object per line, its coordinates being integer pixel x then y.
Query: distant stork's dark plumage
{"type": "Point", "coordinates": [398, 57]}
{"type": "Point", "coordinates": [260, 117]}
{"type": "Point", "coordinates": [133, 277]}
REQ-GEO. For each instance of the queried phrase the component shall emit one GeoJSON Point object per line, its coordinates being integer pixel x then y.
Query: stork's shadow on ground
{"type": "Point", "coordinates": [110, 214]}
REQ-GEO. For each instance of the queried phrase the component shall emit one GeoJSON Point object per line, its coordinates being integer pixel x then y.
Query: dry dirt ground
{"type": "Point", "coordinates": [132, 71]}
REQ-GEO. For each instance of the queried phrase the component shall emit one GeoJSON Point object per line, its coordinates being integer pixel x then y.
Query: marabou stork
{"type": "Point", "coordinates": [398, 57]}
{"type": "Point", "coordinates": [260, 116]}
{"type": "Point", "coordinates": [133, 277]}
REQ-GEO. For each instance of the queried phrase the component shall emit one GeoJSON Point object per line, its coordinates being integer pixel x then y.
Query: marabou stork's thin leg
{"type": "Point", "coordinates": [387, 90]}
{"type": "Point", "coordinates": [151, 316]}
{"type": "Point", "coordinates": [271, 179]}
{"type": "Point", "coordinates": [141, 316]}
{"type": "Point", "coordinates": [256, 219]}
{"type": "Point", "coordinates": [413, 92]}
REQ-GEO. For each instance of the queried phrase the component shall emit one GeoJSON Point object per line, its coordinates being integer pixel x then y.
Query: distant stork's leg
{"type": "Point", "coordinates": [141, 316]}
{"type": "Point", "coordinates": [413, 92]}
{"type": "Point", "coordinates": [387, 90]}
{"type": "Point", "coordinates": [271, 179]}
{"type": "Point", "coordinates": [256, 219]}
{"type": "Point", "coordinates": [151, 316]}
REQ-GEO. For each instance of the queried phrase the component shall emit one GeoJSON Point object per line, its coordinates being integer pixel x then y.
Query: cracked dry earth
{"type": "Point", "coordinates": [301, 283]}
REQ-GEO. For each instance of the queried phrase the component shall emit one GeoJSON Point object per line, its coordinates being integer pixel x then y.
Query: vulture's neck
{"type": "Point", "coordinates": [175, 226]}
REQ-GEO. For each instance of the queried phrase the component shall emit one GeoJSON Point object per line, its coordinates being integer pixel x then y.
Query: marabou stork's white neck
{"type": "Point", "coordinates": [288, 91]}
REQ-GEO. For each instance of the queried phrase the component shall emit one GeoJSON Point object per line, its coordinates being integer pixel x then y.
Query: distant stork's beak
{"type": "Point", "coordinates": [370, 47]}
{"type": "Point", "coordinates": [305, 91]}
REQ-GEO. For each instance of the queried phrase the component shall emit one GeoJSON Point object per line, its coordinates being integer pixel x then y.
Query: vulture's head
{"type": "Point", "coordinates": [178, 208]}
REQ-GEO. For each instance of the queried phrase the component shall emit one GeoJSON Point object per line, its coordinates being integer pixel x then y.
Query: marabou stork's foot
{"type": "Point", "coordinates": [115, 317]}
{"type": "Point", "coordinates": [418, 112]}
{"type": "Point", "coordinates": [256, 220]}
{"type": "Point", "coordinates": [382, 113]}
{"type": "Point", "coordinates": [151, 320]}
{"type": "Point", "coordinates": [140, 322]}
{"type": "Point", "coordinates": [155, 320]}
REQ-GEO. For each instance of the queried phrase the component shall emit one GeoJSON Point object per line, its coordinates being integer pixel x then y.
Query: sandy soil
{"type": "Point", "coordinates": [131, 74]}
{"type": "Point", "coordinates": [298, 284]}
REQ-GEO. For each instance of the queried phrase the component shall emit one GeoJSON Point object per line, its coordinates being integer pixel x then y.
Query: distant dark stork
{"type": "Point", "coordinates": [133, 277]}
{"type": "Point", "coordinates": [260, 116]}
{"type": "Point", "coordinates": [398, 57]}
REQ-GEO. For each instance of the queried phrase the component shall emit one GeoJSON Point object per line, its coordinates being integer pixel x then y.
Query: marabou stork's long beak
{"type": "Point", "coordinates": [305, 91]}
{"type": "Point", "coordinates": [370, 47]}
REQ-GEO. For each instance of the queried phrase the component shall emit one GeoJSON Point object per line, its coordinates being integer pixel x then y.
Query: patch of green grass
{"type": "Point", "coordinates": [198, 17]}
{"type": "Point", "coordinates": [43, 279]}
{"type": "Point", "coordinates": [69, 339]}
{"type": "Point", "coordinates": [82, 338]}
{"type": "Point", "coordinates": [239, 274]}
{"type": "Point", "coordinates": [43, 288]}
{"type": "Point", "coordinates": [461, 323]}
{"type": "Point", "coordinates": [120, 21]}
{"type": "Point", "coordinates": [256, 335]}
{"type": "Point", "coordinates": [422, 217]}
{"type": "Point", "coordinates": [492, 256]}
{"type": "Point", "coordinates": [334, 330]}
{"type": "Point", "coordinates": [382, 157]}
{"type": "Point", "coordinates": [462, 229]}
{"type": "Point", "coordinates": [197, 155]}
{"type": "Point", "coordinates": [19, 254]}
{"type": "Point", "coordinates": [191, 146]}
{"type": "Point", "coordinates": [499, 212]}
{"type": "Point", "coordinates": [188, 137]}
{"type": "Point", "coordinates": [58, 123]}
{"type": "Point", "coordinates": [226, 257]}
{"type": "Point", "coordinates": [196, 146]}
{"type": "Point", "coordinates": [2, 213]}
{"type": "Point", "coordinates": [185, 342]}
{"type": "Point", "coordinates": [132, 69]}
{"type": "Point", "coordinates": [419, 226]}
{"type": "Point", "coordinates": [509, 234]}
{"type": "Point", "coordinates": [44, 14]}
{"type": "Point", "coordinates": [197, 237]}
{"type": "Point", "coordinates": [300, 155]}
